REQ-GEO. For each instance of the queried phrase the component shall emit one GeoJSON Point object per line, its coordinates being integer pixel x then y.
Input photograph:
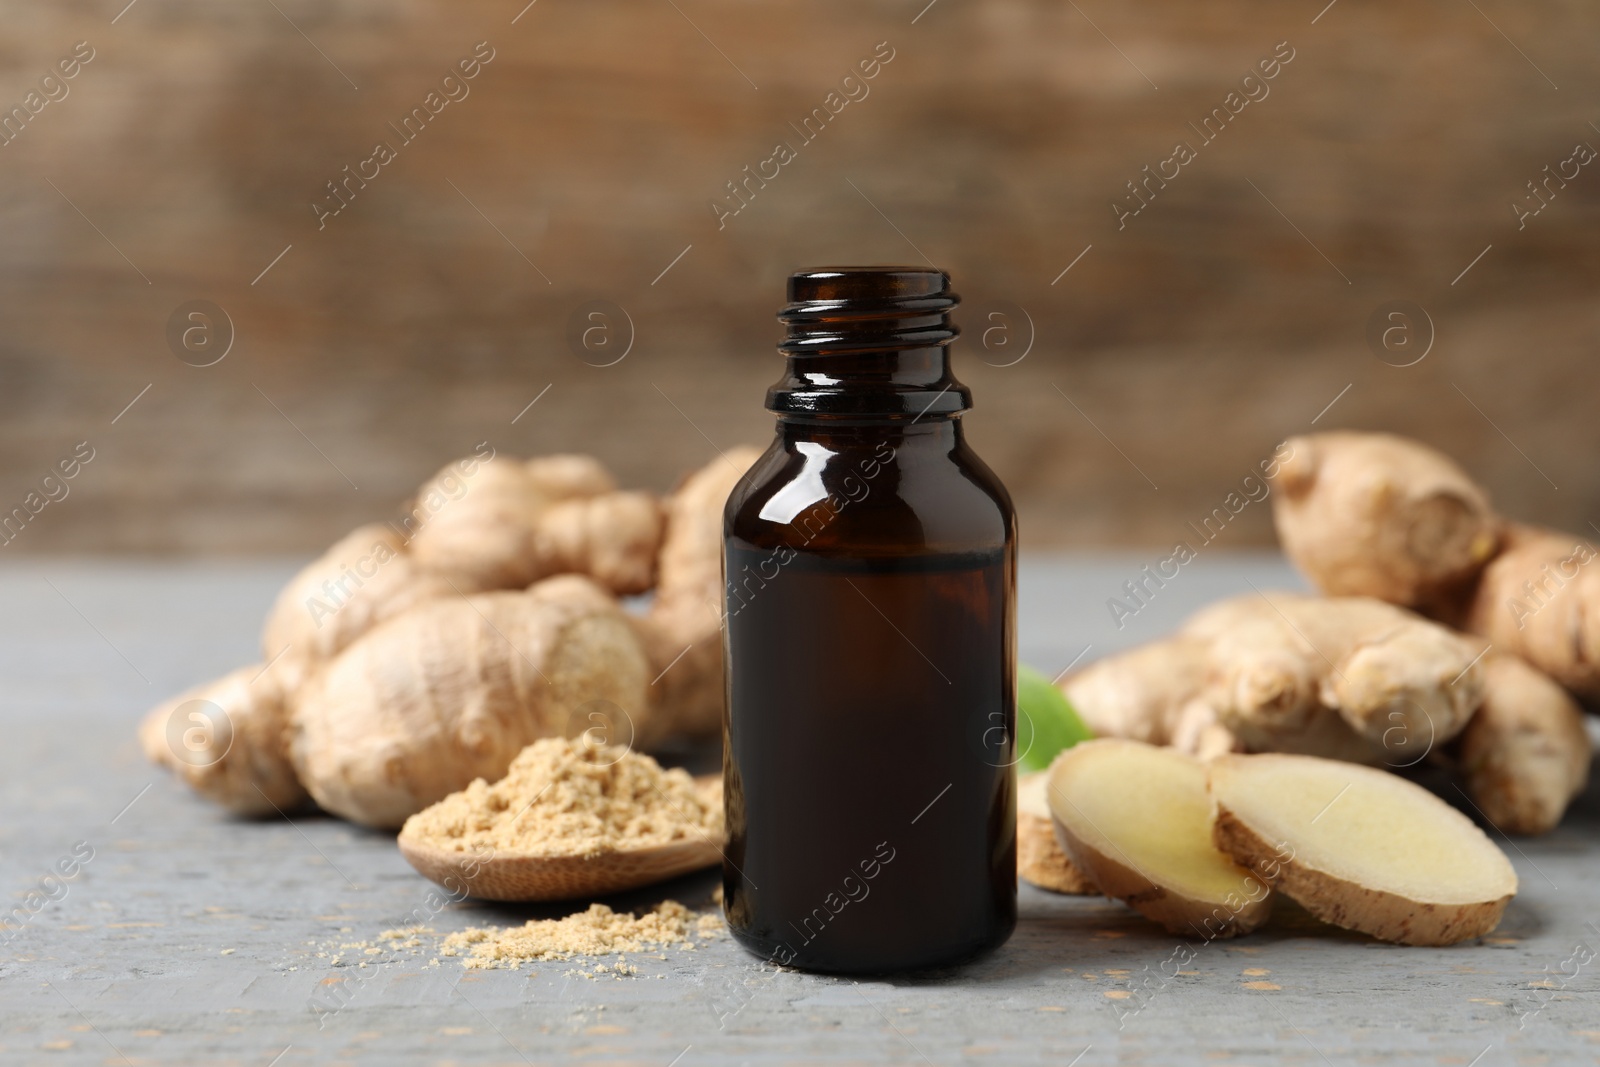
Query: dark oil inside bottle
{"type": "Point", "coordinates": [870, 797]}
{"type": "Point", "coordinates": [869, 636]}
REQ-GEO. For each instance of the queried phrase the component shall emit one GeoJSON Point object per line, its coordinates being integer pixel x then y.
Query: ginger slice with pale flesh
{"type": "Point", "coordinates": [1361, 848]}
{"type": "Point", "coordinates": [1137, 820]}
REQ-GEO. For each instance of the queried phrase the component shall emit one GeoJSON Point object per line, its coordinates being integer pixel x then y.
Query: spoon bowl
{"type": "Point", "coordinates": [524, 876]}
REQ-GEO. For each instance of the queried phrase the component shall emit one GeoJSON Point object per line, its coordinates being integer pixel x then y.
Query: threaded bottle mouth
{"type": "Point", "coordinates": [868, 343]}
{"type": "Point", "coordinates": [863, 309]}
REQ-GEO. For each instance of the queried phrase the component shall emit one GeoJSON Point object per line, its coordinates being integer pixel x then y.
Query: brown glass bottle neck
{"type": "Point", "coordinates": [930, 435]}
{"type": "Point", "coordinates": [888, 384]}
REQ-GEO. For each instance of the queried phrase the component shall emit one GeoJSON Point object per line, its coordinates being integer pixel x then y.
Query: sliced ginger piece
{"type": "Point", "coordinates": [1136, 819]}
{"type": "Point", "coordinates": [1361, 848]}
{"type": "Point", "coordinates": [1040, 860]}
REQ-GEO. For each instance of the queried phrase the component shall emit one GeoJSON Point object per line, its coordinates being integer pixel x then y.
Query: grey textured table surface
{"type": "Point", "coordinates": [190, 938]}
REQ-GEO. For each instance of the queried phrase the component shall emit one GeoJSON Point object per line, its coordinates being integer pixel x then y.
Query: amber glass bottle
{"type": "Point", "coordinates": [870, 644]}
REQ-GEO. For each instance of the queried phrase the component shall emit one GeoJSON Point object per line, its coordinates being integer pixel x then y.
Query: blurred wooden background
{"type": "Point", "coordinates": [187, 153]}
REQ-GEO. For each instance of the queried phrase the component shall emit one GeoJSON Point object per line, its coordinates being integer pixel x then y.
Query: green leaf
{"type": "Point", "coordinates": [1046, 721]}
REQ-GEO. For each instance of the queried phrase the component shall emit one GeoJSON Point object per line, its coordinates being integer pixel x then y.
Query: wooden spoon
{"type": "Point", "coordinates": [527, 877]}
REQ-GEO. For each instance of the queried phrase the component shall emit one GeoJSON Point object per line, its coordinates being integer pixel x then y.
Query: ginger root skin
{"type": "Point", "coordinates": [1540, 599]}
{"type": "Point", "coordinates": [1280, 663]}
{"type": "Point", "coordinates": [226, 740]}
{"type": "Point", "coordinates": [1379, 515]}
{"type": "Point", "coordinates": [682, 631]}
{"type": "Point", "coordinates": [365, 578]}
{"type": "Point", "coordinates": [483, 524]}
{"type": "Point", "coordinates": [568, 476]}
{"type": "Point", "coordinates": [1040, 861]}
{"type": "Point", "coordinates": [1373, 514]}
{"type": "Point", "coordinates": [1525, 755]}
{"type": "Point", "coordinates": [478, 532]}
{"type": "Point", "coordinates": [612, 538]}
{"type": "Point", "coordinates": [503, 523]}
{"type": "Point", "coordinates": [1346, 677]}
{"type": "Point", "coordinates": [453, 689]}
{"type": "Point", "coordinates": [355, 680]}
{"type": "Point", "coordinates": [1139, 694]}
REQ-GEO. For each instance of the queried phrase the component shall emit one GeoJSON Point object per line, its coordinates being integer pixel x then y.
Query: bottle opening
{"type": "Point", "coordinates": [874, 284]}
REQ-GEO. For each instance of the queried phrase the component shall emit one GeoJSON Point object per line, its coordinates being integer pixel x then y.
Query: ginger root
{"type": "Point", "coordinates": [478, 530]}
{"type": "Point", "coordinates": [226, 740]}
{"type": "Point", "coordinates": [1280, 664]}
{"type": "Point", "coordinates": [1141, 694]}
{"type": "Point", "coordinates": [567, 476]}
{"type": "Point", "coordinates": [479, 524]}
{"type": "Point", "coordinates": [682, 632]}
{"type": "Point", "coordinates": [1360, 848]}
{"type": "Point", "coordinates": [452, 690]}
{"type": "Point", "coordinates": [501, 523]}
{"type": "Point", "coordinates": [397, 633]}
{"type": "Point", "coordinates": [1540, 599]}
{"type": "Point", "coordinates": [1040, 860]}
{"type": "Point", "coordinates": [1525, 754]}
{"type": "Point", "coordinates": [365, 578]}
{"type": "Point", "coordinates": [1394, 519]}
{"type": "Point", "coordinates": [612, 538]}
{"type": "Point", "coordinates": [1347, 677]}
{"type": "Point", "coordinates": [1371, 514]}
